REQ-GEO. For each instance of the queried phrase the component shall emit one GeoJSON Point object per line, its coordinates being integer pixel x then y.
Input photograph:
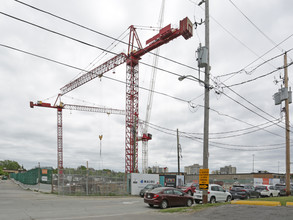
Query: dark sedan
{"type": "Point", "coordinates": [244, 192]}
{"type": "Point", "coordinates": [282, 189]}
{"type": "Point", "coordinates": [167, 197]}
{"type": "Point", "coordinates": [148, 188]}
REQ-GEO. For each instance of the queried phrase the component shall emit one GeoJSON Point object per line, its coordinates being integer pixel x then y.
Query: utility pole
{"type": "Point", "coordinates": [252, 163]}
{"type": "Point", "coordinates": [206, 100]}
{"type": "Point", "coordinates": [287, 130]}
{"type": "Point", "coordinates": [178, 152]}
{"type": "Point", "coordinates": [39, 176]}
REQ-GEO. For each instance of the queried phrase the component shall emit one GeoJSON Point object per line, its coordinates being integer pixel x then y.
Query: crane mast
{"type": "Point", "coordinates": [135, 52]}
{"type": "Point", "coordinates": [150, 98]}
{"type": "Point", "coordinates": [62, 106]}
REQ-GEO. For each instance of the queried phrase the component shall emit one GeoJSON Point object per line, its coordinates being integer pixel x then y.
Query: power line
{"type": "Point", "coordinates": [88, 44]}
{"type": "Point", "coordinates": [100, 33]}
{"type": "Point", "coordinates": [77, 68]}
{"type": "Point", "coordinates": [261, 76]}
{"type": "Point", "coordinates": [251, 71]}
{"type": "Point", "coordinates": [58, 33]}
{"type": "Point", "coordinates": [216, 144]}
{"type": "Point", "coordinates": [250, 21]}
{"type": "Point", "coordinates": [164, 94]}
{"type": "Point", "coordinates": [233, 73]}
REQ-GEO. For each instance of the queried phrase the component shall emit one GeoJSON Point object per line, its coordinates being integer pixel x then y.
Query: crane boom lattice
{"type": "Point", "coordinates": [135, 53]}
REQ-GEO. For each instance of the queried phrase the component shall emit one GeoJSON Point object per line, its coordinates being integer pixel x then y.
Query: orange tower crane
{"type": "Point", "coordinates": [59, 108]}
{"type": "Point", "coordinates": [135, 52]}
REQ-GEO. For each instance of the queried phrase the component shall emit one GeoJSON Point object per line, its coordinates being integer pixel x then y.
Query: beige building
{"type": "Point", "coordinates": [193, 169]}
{"type": "Point", "coordinates": [228, 170]}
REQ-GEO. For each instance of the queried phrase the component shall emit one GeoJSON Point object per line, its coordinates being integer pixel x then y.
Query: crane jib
{"type": "Point", "coordinates": [96, 72]}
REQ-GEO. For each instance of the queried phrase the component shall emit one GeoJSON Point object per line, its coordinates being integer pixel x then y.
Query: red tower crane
{"type": "Point", "coordinates": [59, 108]}
{"type": "Point", "coordinates": [132, 58]}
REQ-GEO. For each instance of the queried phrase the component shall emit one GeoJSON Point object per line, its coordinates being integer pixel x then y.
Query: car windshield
{"type": "Point", "coordinates": [236, 189]}
{"type": "Point", "coordinates": [156, 190]}
{"type": "Point", "coordinates": [280, 186]}
{"type": "Point", "coordinates": [238, 186]}
{"type": "Point", "coordinates": [149, 186]}
{"type": "Point", "coordinates": [260, 187]}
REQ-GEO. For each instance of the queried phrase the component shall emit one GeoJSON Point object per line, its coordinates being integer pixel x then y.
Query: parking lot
{"type": "Point", "coordinates": [16, 203]}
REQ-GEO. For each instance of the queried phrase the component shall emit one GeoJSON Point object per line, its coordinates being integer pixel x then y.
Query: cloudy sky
{"type": "Point", "coordinates": [247, 43]}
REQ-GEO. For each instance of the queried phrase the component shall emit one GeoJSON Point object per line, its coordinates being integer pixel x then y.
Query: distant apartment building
{"type": "Point", "coordinates": [157, 169]}
{"type": "Point", "coordinates": [228, 170]}
{"type": "Point", "coordinates": [193, 169]}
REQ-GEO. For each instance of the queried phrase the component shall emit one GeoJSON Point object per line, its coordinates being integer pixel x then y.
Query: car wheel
{"type": "Point", "coordinates": [247, 197]}
{"type": "Point", "coordinates": [271, 195]}
{"type": "Point", "coordinates": [197, 201]}
{"type": "Point", "coordinates": [189, 203]}
{"type": "Point", "coordinates": [189, 193]}
{"type": "Point", "coordinates": [257, 196]}
{"type": "Point", "coordinates": [228, 199]}
{"type": "Point", "coordinates": [151, 205]}
{"type": "Point", "coordinates": [213, 200]}
{"type": "Point", "coordinates": [279, 194]}
{"type": "Point", "coordinates": [164, 204]}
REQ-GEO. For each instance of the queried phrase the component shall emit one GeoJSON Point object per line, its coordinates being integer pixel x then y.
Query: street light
{"type": "Point", "coordinates": [206, 127]}
{"type": "Point", "coordinates": [199, 80]}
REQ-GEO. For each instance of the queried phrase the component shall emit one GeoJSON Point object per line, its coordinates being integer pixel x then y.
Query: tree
{"type": "Point", "coordinates": [9, 165]}
{"type": "Point", "coordinates": [81, 167]}
{"type": "Point", "coordinates": [1, 171]}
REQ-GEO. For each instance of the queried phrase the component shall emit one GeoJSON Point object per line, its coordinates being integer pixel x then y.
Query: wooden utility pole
{"type": "Point", "coordinates": [178, 151]}
{"type": "Point", "coordinates": [287, 130]}
{"type": "Point", "coordinates": [206, 99]}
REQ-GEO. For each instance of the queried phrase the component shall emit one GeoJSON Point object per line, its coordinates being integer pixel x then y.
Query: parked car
{"type": "Point", "coordinates": [167, 197]}
{"type": "Point", "coordinates": [267, 190]}
{"type": "Point", "coordinates": [216, 193]}
{"type": "Point", "coordinates": [244, 192]}
{"type": "Point", "coordinates": [189, 188]}
{"type": "Point", "coordinates": [148, 187]}
{"type": "Point", "coordinates": [282, 189]}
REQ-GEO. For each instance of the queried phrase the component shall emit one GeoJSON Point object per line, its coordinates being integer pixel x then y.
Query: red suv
{"type": "Point", "coordinates": [189, 188]}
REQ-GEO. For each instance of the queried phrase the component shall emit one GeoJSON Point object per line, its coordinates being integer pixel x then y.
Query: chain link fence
{"type": "Point", "coordinates": [88, 183]}
{"type": "Point", "coordinates": [34, 176]}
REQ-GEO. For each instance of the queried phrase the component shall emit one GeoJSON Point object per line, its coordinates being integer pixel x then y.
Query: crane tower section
{"type": "Point", "coordinates": [135, 52]}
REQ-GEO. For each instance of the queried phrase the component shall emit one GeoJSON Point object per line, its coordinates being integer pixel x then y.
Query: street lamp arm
{"type": "Point", "coordinates": [197, 79]}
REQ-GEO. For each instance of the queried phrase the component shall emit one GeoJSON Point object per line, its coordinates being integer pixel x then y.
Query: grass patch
{"type": "Point", "coordinates": [194, 208]}
{"type": "Point", "coordinates": [282, 199]}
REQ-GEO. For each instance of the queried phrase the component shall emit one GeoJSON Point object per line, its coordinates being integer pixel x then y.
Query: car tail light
{"type": "Point", "coordinates": [209, 192]}
{"type": "Point", "coordinates": [155, 196]}
{"type": "Point", "coordinates": [267, 189]}
{"type": "Point", "coordinates": [243, 190]}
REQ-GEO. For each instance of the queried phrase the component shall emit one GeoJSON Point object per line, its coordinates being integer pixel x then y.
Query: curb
{"type": "Point", "coordinates": [289, 203]}
{"type": "Point", "coordinates": [264, 203]}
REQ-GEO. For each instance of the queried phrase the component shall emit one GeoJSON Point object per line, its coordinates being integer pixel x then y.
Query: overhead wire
{"type": "Point", "coordinates": [106, 77]}
{"type": "Point", "coordinates": [91, 45]}
{"type": "Point", "coordinates": [164, 94]}
{"type": "Point", "coordinates": [250, 21]}
{"type": "Point", "coordinates": [65, 35]}
{"type": "Point", "coordinates": [100, 33]}
{"type": "Point", "coordinates": [215, 144]}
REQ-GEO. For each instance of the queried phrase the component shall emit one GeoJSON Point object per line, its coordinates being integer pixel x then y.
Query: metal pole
{"type": "Point", "coordinates": [39, 176]}
{"type": "Point", "coordinates": [87, 178]}
{"type": "Point", "coordinates": [178, 152]}
{"type": "Point", "coordinates": [287, 131]}
{"type": "Point", "coordinates": [252, 163]}
{"type": "Point", "coordinates": [206, 100]}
